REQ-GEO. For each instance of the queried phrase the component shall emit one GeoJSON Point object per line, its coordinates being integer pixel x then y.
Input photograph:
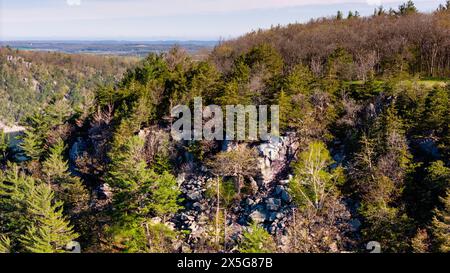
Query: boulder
{"type": "Point", "coordinates": [273, 204]}
{"type": "Point", "coordinates": [258, 216]}
{"type": "Point", "coordinates": [194, 196]}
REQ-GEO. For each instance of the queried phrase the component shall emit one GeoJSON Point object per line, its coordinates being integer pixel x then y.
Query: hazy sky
{"type": "Point", "coordinates": [166, 19]}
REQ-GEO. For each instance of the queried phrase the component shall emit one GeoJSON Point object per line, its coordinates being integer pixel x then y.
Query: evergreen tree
{"type": "Point", "coordinates": [437, 114]}
{"type": "Point", "coordinates": [68, 188]}
{"type": "Point", "coordinates": [407, 8]}
{"type": "Point", "coordinates": [15, 190]}
{"type": "Point", "coordinates": [140, 194]}
{"type": "Point", "coordinates": [54, 167]}
{"type": "Point", "coordinates": [4, 145]}
{"type": "Point", "coordinates": [256, 240]}
{"type": "Point", "coordinates": [441, 226]}
{"type": "Point", "coordinates": [32, 145]}
{"type": "Point", "coordinates": [49, 231]}
{"type": "Point", "coordinates": [165, 195]}
{"type": "Point", "coordinates": [5, 244]}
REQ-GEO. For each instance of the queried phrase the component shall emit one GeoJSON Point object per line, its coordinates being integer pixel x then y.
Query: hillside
{"type": "Point", "coordinates": [388, 43]}
{"type": "Point", "coordinates": [30, 80]}
{"type": "Point", "coordinates": [362, 155]}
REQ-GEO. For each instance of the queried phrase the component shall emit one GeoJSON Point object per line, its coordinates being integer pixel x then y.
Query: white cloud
{"type": "Point", "coordinates": [374, 2]}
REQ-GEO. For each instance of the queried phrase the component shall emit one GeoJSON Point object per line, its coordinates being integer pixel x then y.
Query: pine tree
{"type": "Point", "coordinates": [15, 190]}
{"type": "Point", "coordinates": [441, 226]}
{"type": "Point", "coordinates": [140, 194]}
{"type": "Point", "coordinates": [256, 240]}
{"type": "Point", "coordinates": [420, 242]}
{"type": "Point", "coordinates": [4, 145]}
{"type": "Point", "coordinates": [68, 188]}
{"type": "Point", "coordinates": [54, 167]}
{"type": "Point", "coordinates": [32, 145]}
{"type": "Point", "coordinates": [49, 232]}
{"type": "Point", "coordinates": [407, 8]}
{"type": "Point", "coordinates": [5, 244]}
{"type": "Point", "coordinates": [165, 195]}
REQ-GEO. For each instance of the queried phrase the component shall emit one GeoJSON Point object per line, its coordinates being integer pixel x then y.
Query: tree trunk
{"type": "Point", "coordinates": [225, 230]}
{"type": "Point", "coordinates": [218, 211]}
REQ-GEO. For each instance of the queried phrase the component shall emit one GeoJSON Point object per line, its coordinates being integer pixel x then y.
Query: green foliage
{"type": "Point", "coordinates": [388, 226]}
{"type": "Point", "coordinates": [437, 114]}
{"type": "Point", "coordinates": [407, 8]}
{"type": "Point", "coordinates": [15, 190]}
{"type": "Point", "coordinates": [5, 244]}
{"type": "Point", "coordinates": [140, 193]}
{"type": "Point", "coordinates": [32, 145]}
{"type": "Point", "coordinates": [4, 145]}
{"type": "Point", "coordinates": [165, 195]}
{"type": "Point", "coordinates": [68, 188]}
{"type": "Point", "coordinates": [441, 226]}
{"type": "Point", "coordinates": [54, 167]}
{"type": "Point", "coordinates": [49, 230]}
{"type": "Point", "coordinates": [313, 181]}
{"type": "Point", "coordinates": [31, 79]}
{"type": "Point", "coordinates": [256, 240]}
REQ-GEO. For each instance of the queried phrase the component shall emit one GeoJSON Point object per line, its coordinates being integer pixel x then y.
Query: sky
{"type": "Point", "coordinates": [167, 19]}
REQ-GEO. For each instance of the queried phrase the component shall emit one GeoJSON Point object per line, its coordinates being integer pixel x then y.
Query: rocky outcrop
{"type": "Point", "coordinates": [275, 156]}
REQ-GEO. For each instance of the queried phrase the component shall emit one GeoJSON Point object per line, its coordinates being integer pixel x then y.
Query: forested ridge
{"type": "Point", "coordinates": [31, 79]}
{"type": "Point", "coordinates": [364, 112]}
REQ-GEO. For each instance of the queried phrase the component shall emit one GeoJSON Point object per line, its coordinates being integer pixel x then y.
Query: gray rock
{"type": "Point", "coordinates": [249, 202]}
{"type": "Point", "coordinates": [273, 204]}
{"type": "Point", "coordinates": [273, 216]}
{"type": "Point", "coordinates": [258, 217]}
{"type": "Point", "coordinates": [194, 196]}
{"type": "Point", "coordinates": [197, 206]}
{"type": "Point", "coordinates": [286, 197]}
{"type": "Point", "coordinates": [104, 191]}
{"type": "Point", "coordinates": [355, 224]}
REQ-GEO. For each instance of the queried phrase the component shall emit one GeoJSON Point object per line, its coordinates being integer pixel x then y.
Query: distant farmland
{"type": "Point", "coordinates": [122, 48]}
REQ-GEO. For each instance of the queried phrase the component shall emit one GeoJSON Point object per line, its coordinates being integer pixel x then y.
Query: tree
{"type": "Point", "coordinates": [49, 232]}
{"type": "Point", "coordinates": [32, 145]}
{"type": "Point", "coordinates": [68, 188]}
{"type": "Point", "coordinates": [140, 194]}
{"type": "Point", "coordinates": [441, 226]}
{"type": "Point", "coordinates": [339, 15]}
{"type": "Point", "coordinates": [420, 242]}
{"type": "Point", "coordinates": [407, 8]}
{"type": "Point", "coordinates": [436, 115]}
{"type": "Point", "coordinates": [313, 182]}
{"type": "Point", "coordinates": [256, 239]}
{"type": "Point", "coordinates": [4, 145]}
{"type": "Point", "coordinates": [224, 193]}
{"type": "Point", "coordinates": [54, 167]}
{"type": "Point", "coordinates": [5, 244]}
{"type": "Point", "coordinates": [321, 230]}
{"type": "Point", "coordinates": [238, 163]}
{"type": "Point", "coordinates": [389, 226]}
{"type": "Point", "coordinates": [165, 195]}
{"type": "Point", "coordinates": [15, 191]}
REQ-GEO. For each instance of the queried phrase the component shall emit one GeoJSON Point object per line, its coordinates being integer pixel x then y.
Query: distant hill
{"type": "Point", "coordinates": [391, 42]}
{"type": "Point", "coordinates": [29, 80]}
{"type": "Point", "coordinates": [123, 48]}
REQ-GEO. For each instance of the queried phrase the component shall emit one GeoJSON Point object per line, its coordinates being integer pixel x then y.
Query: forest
{"type": "Point", "coordinates": [364, 154]}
